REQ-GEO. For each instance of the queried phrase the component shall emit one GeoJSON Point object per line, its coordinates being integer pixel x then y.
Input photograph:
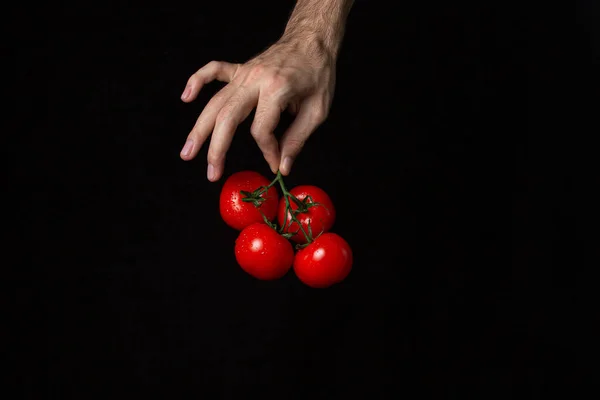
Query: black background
{"type": "Point", "coordinates": [458, 155]}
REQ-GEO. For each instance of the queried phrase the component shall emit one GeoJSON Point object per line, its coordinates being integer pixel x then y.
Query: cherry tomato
{"type": "Point", "coordinates": [239, 214]}
{"type": "Point", "coordinates": [263, 253]}
{"type": "Point", "coordinates": [320, 216]}
{"type": "Point", "coordinates": [324, 262]}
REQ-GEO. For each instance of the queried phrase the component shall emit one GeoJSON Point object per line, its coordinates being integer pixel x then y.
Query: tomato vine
{"type": "Point", "coordinates": [303, 205]}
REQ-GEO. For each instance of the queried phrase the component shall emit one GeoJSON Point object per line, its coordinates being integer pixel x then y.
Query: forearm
{"type": "Point", "coordinates": [319, 22]}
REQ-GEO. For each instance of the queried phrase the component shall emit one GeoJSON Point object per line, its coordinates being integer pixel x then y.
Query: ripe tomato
{"type": "Point", "coordinates": [321, 216]}
{"type": "Point", "coordinates": [324, 262]}
{"type": "Point", "coordinates": [263, 253]}
{"type": "Point", "coordinates": [239, 214]}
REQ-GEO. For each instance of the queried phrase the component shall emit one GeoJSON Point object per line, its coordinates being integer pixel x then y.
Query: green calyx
{"type": "Point", "coordinates": [254, 197]}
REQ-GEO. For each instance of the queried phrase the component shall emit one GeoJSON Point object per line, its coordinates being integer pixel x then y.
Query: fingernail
{"type": "Point", "coordinates": [186, 92]}
{"type": "Point", "coordinates": [210, 172]}
{"type": "Point", "coordinates": [187, 148]}
{"type": "Point", "coordinates": [287, 165]}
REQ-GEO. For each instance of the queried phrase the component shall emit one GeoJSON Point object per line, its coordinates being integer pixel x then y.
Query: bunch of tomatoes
{"type": "Point", "coordinates": [269, 224]}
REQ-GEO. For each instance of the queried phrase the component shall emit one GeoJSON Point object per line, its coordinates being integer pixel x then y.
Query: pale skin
{"type": "Point", "coordinates": [296, 73]}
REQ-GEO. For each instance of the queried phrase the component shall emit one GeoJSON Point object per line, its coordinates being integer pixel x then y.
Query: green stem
{"type": "Point", "coordinates": [256, 197]}
{"type": "Point", "coordinates": [288, 209]}
{"type": "Point", "coordinates": [265, 188]}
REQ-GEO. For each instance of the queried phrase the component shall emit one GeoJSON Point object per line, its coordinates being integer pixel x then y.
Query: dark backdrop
{"type": "Point", "coordinates": [456, 153]}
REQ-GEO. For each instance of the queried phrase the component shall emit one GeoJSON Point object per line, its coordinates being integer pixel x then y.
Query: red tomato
{"type": "Point", "coordinates": [321, 217]}
{"type": "Point", "coordinates": [239, 214]}
{"type": "Point", "coordinates": [263, 253]}
{"type": "Point", "coordinates": [324, 262]}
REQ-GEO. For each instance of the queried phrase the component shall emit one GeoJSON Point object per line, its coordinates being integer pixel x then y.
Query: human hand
{"type": "Point", "coordinates": [295, 73]}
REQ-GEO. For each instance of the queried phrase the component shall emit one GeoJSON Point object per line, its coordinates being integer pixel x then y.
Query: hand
{"type": "Point", "coordinates": [293, 74]}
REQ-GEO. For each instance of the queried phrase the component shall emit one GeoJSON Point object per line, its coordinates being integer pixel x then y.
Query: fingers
{"type": "Point", "coordinates": [267, 116]}
{"type": "Point", "coordinates": [248, 85]}
{"type": "Point", "coordinates": [222, 71]}
{"type": "Point", "coordinates": [205, 124]}
{"type": "Point", "coordinates": [219, 70]}
{"type": "Point", "coordinates": [310, 115]}
{"type": "Point", "coordinates": [234, 111]}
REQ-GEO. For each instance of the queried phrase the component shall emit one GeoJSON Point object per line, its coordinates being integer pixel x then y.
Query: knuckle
{"type": "Point", "coordinates": [295, 144]}
{"type": "Point", "coordinates": [207, 69]}
{"type": "Point", "coordinates": [256, 71]}
{"type": "Point", "coordinates": [213, 64]}
{"type": "Point", "coordinates": [276, 82]}
{"type": "Point", "coordinates": [257, 131]}
{"type": "Point", "coordinates": [198, 126]}
{"type": "Point", "coordinates": [260, 135]}
{"type": "Point", "coordinates": [319, 115]}
{"type": "Point", "coordinates": [213, 157]}
{"type": "Point", "coordinates": [261, 126]}
{"type": "Point", "coordinates": [226, 118]}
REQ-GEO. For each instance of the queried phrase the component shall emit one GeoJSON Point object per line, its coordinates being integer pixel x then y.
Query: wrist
{"type": "Point", "coordinates": [310, 41]}
{"type": "Point", "coordinates": [318, 25]}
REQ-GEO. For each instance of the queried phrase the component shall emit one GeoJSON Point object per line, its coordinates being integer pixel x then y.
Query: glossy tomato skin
{"type": "Point", "coordinates": [321, 217]}
{"type": "Point", "coordinates": [324, 262]}
{"type": "Point", "coordinates": [239, 214]}
{"type": "Point", "coordinates": [263, 253]}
